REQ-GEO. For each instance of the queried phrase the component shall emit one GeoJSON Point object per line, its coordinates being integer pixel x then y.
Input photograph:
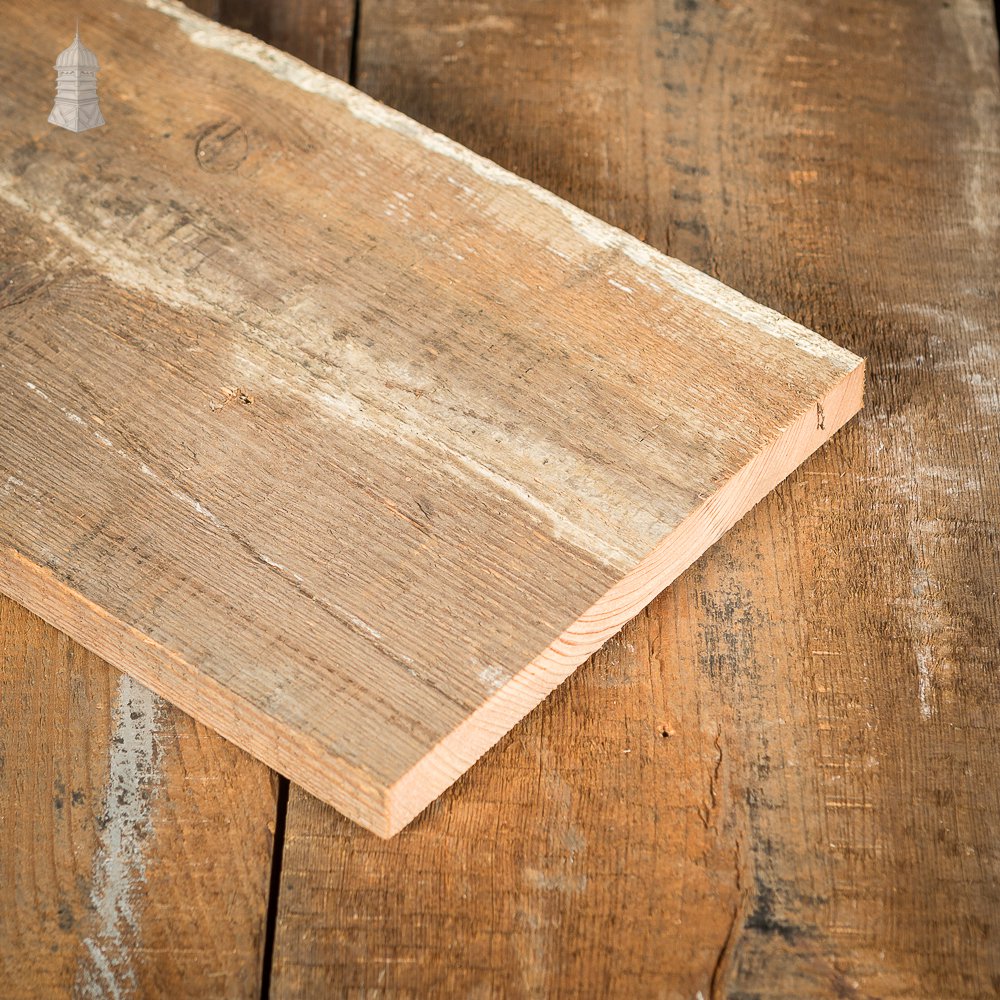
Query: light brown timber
{"type": "Point", "coordinates": [136, 844]}
{"type": "Point", "coordinates": [349, 443]}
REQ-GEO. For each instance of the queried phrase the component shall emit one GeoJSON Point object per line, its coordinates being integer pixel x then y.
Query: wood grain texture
{"type": "Point", "coordinates": [523, 423]}
{"type": "Point", "coordinates": [779, 779]}
{"type": "Point", "coordinates": [136, 843]}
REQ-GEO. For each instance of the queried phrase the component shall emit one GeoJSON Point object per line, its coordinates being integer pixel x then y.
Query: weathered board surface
{"type": "Point", "coordinates": [780, 779]}
{"type": "Point", "coordinates": [906, 902]}
{"type": "Point", "coordinates": [347, 442]}
{"type": "Point", "coordinates": [135, 845]}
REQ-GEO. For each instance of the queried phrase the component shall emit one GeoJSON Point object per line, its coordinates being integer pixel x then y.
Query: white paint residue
{"type": "Point", "coordinates": [277, 565]}
{"type": "Point", "coordinates": [493, 678]}
{"type": "Point", "coordinates": [363, 626]}
{"type": "Point", "coordinates": [464, 188]}
{"type": "Point", "coordinates": [931, 623]}
{"type": "Point", "coordinates": [974, 365]}
{"type": "Point", "coordinates": [73, 418]}
{"type": "Point", "coordinates": [941, 316]}
{"type": "Point", "coordinates": [980, 180]}
{"type": "Point", "coordinates": [489, 22]}
{"type": "Point", "coordinates": [601, 234]}
{"type": "Point", "coordinates": [197, 507]}
{"type": "Point", "coordinates": [399, 207]}
{"type": "Point", "coordinates": [978, 161]}
{"type": "Point", "coordinates": [648, 283]}
{"type": "Point", "coordinates": [120, 865]}
{"type": "Point", "coordinates": [924, 676]}
{"type": "Point", "coordinates": [585, 537]}
{"type": "Point", "coordinates": [921, 483]}
{"type": "Point", "coordinates": [109, 256]}
{"type": "Point", "coordinates": [38, 392]}
{"type": "Point", "coordinates": [551, 874]}
{"type": "Point", "coordinates": [618, 284]}
{"type": "Point", "coordinates": [562, 527]}
{"type": "Point", "coordinates": [985, 393]}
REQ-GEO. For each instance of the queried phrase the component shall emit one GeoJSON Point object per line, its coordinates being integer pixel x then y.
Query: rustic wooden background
{"type": "Point", "coordinates": [778, 781]}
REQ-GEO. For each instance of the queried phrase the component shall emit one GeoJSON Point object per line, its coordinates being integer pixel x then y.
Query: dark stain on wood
{"type": "Point", "coordinates": [220, 147]}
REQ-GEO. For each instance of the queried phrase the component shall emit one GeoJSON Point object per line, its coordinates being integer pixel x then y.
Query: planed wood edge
{"type": "Point", "coordinates": [463, 746]}
{"type": "Point", "coordinates": [307, 761]}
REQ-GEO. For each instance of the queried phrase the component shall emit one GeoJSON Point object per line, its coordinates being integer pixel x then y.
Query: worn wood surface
{"type": "Point", "coordinates": [779, 780]}
{"type": "Point", "coordinates": [525, 422]}
{"type": "Point", "coordinates": [136, 844]}
{"type": "Point", "coordinates": [808, 804]}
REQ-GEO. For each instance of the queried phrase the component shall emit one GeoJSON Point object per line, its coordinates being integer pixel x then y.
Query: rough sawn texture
{"type": "Point", "coordinates": [343, 439]}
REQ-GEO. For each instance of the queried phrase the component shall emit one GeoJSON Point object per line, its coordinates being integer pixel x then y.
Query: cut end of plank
{"type": "Point", "coordinates": [342, 438]}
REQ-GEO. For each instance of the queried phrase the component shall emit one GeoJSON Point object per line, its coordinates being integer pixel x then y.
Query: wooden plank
{"type": "Point", "coordinates": [524, 422]}
{"type": "Point", "coordinates": [777, 780]}
{"type": "Point", "coordinates": [124, 872]}
{"type": "Point", "coordinates": [136, 843]}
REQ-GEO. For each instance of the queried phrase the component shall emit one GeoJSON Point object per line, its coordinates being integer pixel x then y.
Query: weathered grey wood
{"type": "Point", "coordinates": [346, 441]}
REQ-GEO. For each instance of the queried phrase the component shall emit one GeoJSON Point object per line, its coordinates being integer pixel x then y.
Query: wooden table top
{"type": "Point", "coordinates": [780, 778]}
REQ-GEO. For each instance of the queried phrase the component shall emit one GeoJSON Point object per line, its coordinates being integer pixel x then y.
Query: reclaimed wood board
{"type": "Point", "coordinates": [343, 439]}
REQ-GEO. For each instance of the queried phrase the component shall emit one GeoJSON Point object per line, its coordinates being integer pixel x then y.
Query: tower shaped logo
{"type": "Point", "coordinates": [76, 105]}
